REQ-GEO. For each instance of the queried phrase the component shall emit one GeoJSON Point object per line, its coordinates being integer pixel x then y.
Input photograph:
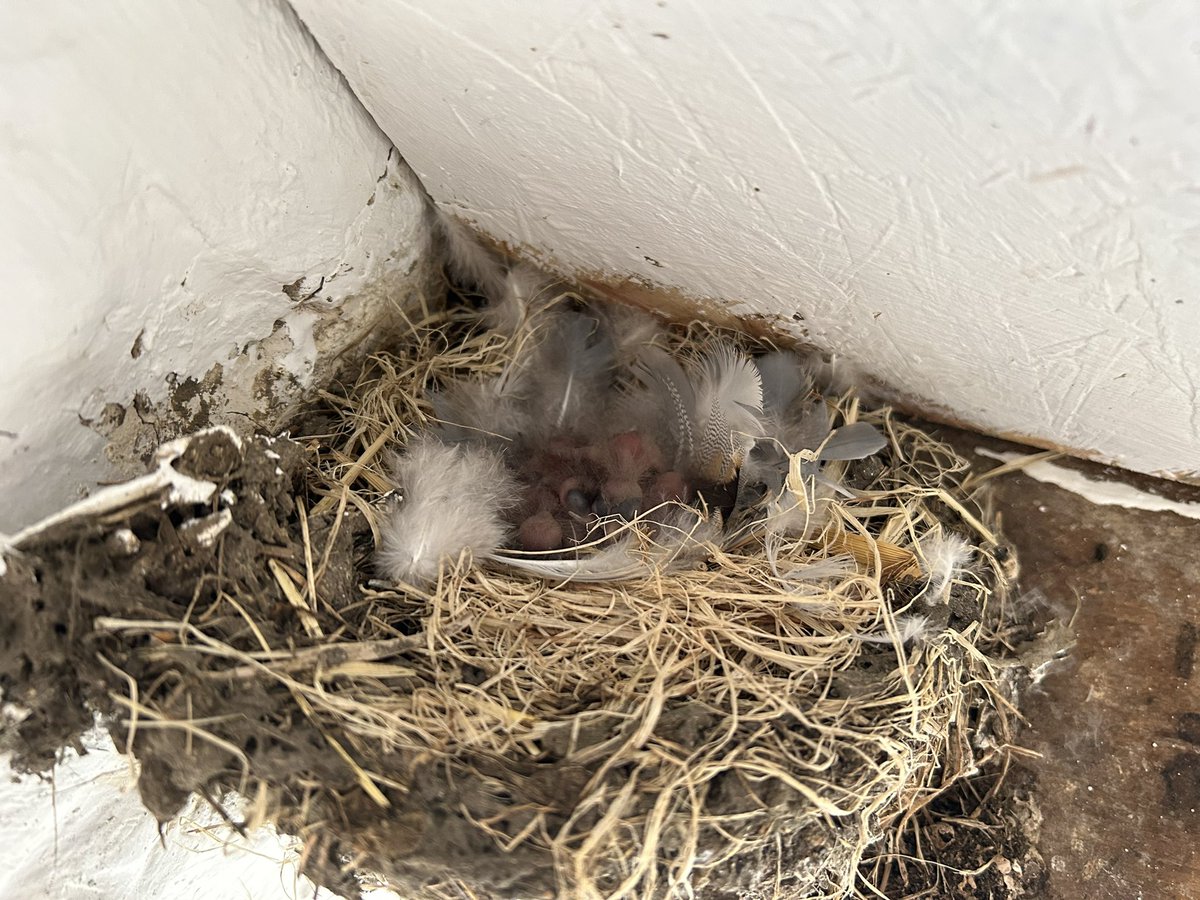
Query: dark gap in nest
{"type": "Point", "coordinates": [209, 659]}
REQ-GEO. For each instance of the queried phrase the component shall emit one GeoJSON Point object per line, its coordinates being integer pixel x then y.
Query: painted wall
{"type": "Point", "coordinates": [84, 835]}
{"type": "Point", "coordinates": [195, 212]}
{"type": "Point", "coordinates": [993, 208]}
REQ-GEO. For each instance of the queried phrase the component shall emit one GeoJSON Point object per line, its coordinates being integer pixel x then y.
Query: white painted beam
{"type": "Point", "coordinates": [992, 208]}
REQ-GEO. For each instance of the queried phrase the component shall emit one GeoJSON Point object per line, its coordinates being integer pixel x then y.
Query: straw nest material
{"type": "Point", "coordinates": [764, 722]}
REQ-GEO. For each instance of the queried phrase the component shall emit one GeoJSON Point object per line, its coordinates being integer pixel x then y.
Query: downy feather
{"type": "Point", "coordinates": [526, 292]}
{"type": "Point", "coordinates": [908, 629]}
{"type": "Point", "coordinates": [479, 411]}
{"type": "Point", "coordinates": [836, 375]}
{"type": "Point", "coordinates": [794, 516]}
{"type": "Point", "coordinates": [945, 557]}
{"type": "Point", "coordinates": [632, 331]}
{"type": "Point", "coordinates": [452, 499]}
{"type": "Point", "coordinates": [569, 377]}
{"type": "Point", "coordinates": [819, 570]}
{"type": "Point", "coordinates": [467, 261]}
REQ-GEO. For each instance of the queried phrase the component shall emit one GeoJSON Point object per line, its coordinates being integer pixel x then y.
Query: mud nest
{"type": "Point", "coordinates": [767, 721]}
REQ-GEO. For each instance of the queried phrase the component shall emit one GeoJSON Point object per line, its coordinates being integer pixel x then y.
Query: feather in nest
{"type": "Point", "coordinates": [704, 422]}
{"type": "Point", "coordinates": [946, 558]}
{"type": "Point", "coordinates": [452, 498]}
{"type": "Point", "coordinates": [632, 330]}
{"type": "Point", "coordinates": [491, 411]}
{"type": "Point", "coordinates": [468, 262]}
{"type": "Point", "coordinates": [793, 421]}
{"type": "Point", "coordinates": [783, 494]}
{"type": "Point", "coordinates": [709, 415]}
{"type": "Point", "coordinates": [794, 417]}
{"type": "Point", "coordinates": [674, 539]}
{"type": "Point", "coordinates": [908, 629]}
{"type": "Point", "coordinates": [568, 376]}
{"type": "Point", "coordinates": [525, 294]}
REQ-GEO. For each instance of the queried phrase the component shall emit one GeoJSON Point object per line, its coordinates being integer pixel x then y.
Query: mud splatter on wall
{"type": "Point", "coordinates": [197, 215]}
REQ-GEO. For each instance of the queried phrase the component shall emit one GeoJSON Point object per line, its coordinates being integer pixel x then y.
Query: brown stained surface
{"type": "Point", "coordinates": [1118, 721]}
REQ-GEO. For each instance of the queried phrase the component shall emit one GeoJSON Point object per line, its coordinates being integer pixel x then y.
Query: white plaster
{"type": "Point", "coordinates": [125, 540]}
{"type": "Point", "coordinates": [1102, 493]}
{"type": "Point", "coordinates": [165, 168]}
{"type": "Point", "coordinates": [85, 834]}
{"type": "Point", "coordinates": [206, 530]}
{"type": "Point", "coordinates": [992, 207]}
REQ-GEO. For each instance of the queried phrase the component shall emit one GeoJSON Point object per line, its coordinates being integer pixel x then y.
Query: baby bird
{"type": "Point", "coordinates": [581, 458]}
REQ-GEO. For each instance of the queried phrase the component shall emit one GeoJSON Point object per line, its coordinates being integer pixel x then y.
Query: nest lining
{"type": "Point", "coordinates": [759, 722]}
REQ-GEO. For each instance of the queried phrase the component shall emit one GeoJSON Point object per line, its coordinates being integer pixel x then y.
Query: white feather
{"type": "Point", "coordinates": [820, 569]}
{"type": "Point", "coordinates": [615, 562]}
{"type": "Point", "coordinates": [908, 628]}
{"type": "Point", "coordinates": [681, 538]}
{"type": "Point", "coordinates": [729, 410]}
{"type": "Point", "coordinates": [837, 375]}
{"type": "Point", "coordinates": [788, 514]}
{"type": "Point", "coordinates": [946, 556]}
{"type": "Point", "coordinates": [712, 412]}
{"type": "Point", "coordinates": [452, 499]}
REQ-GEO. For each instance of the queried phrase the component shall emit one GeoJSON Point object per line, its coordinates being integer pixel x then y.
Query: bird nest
{"type": "Point", "coordinates": [754, 711]}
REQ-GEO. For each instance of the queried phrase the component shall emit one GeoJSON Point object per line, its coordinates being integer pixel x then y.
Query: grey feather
{"type": "Point", "coordinates": [784, 381]}
{"type": "Point", "coordinates": [668, 402]}
{"type": "Point", "coordinates": [712, 412]}
{"type": "Point", "coordinates": [468, 262]}
{"type": "Point", "coordinates": [569, 377]}
{"type": "Point", "coordinates": [729, 408]}
{"type": "Point", "coordinates": [792, 416]}
{"type": "Point", "coordinates": [762, 502]}
{"type": "Point", "coordinates": [485, 411]}
{"type": "Point", "coordinates": [855, 441]}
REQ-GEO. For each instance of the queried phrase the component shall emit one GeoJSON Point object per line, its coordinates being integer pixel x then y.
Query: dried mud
{"type": "Point", "coordinates": [87, 611]}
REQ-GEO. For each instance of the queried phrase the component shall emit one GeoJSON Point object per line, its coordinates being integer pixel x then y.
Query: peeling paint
{"type": "Point", "coordinates": [166, 483]}
{"type": "Point", "coordinates": [203, 532]}
{"type": "Point", "coordinates": [148, 277]}
{"type": "Point", "coordinates": [1102, 493]}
